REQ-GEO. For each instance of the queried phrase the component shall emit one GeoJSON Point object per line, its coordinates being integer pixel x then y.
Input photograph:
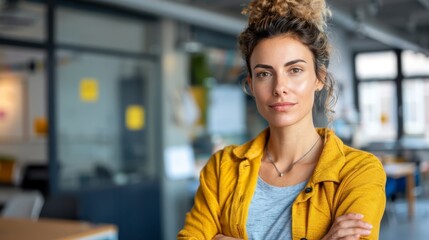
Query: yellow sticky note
{"type": "Point", "coordinates": [40, 125]}
{"type": "Point", "coordinates": [89, 90]}
{"type": "Point", "coordinates": [135, 117]}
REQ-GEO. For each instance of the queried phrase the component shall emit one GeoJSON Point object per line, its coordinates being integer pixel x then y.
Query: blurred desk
{"type": "Point", "coordinates": [49, 229]}
{"type": "Point", "coordinates": [398, 170]}
{"type": "Point", "coordinates": [399, 145]}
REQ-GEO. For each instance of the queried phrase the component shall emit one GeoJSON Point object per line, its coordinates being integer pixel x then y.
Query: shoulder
{"type": "Point", "coordinates": [362, 165]}
{"type": "Point", "coordinates": [352, 158]}
{"type": "Point", "coordinates": [357, 158]}
{"type": "Point", "coordinates": [351, 163]}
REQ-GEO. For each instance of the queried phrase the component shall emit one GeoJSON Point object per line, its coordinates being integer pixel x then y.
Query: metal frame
{"type": "Point", "coordinates": [51, 95]}
{"type": "Point", "coordinates": [399, 102]}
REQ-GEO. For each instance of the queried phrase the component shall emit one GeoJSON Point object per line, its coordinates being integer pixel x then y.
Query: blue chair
{"type": "Point", "coordinates": [391, 189]}
{"type": "Point", "coordinates": [401, 183]}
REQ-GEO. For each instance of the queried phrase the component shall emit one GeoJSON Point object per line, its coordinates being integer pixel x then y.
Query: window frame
{"type": "Point", "coordinates": [398, 80]}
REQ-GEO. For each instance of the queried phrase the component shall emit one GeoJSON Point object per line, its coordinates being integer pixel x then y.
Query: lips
{"type": "Point", "coordinates": [282, 106]}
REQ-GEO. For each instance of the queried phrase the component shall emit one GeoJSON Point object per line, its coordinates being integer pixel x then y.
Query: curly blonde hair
{"type": "Point", "coordinates": [304, 20]}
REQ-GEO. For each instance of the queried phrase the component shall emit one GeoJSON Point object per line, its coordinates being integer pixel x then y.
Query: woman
{"type": "Point", "coordinates": [292, 181]}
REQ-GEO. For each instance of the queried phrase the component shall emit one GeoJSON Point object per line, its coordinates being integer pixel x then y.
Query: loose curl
{"type": "Point", "coordinates": [302, 20]}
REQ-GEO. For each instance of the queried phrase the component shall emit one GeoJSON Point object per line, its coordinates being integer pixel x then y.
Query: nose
{"type": "Point", "coordinates": [280, 86]}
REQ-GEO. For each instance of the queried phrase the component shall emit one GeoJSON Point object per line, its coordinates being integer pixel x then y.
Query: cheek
{"type": "Point", "coordinates": [261, 92]}
{"type": "Point", "coordinates": [308, 84]}
{"type": "Point", "coordinates": [309, 97]}
{"type": "Point", "coordinates": [260, 97]}
{"type": "Point", "coordinates": [305, 92]}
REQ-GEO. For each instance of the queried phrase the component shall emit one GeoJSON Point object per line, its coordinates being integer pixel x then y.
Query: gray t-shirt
{"type": "Point", "coordinates": [270, 211]}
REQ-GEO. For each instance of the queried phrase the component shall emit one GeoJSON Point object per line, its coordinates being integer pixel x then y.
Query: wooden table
{"type": "Point", "coordinates": [408, 170]}
{"type": "Point", "coordinates": [50, 229]}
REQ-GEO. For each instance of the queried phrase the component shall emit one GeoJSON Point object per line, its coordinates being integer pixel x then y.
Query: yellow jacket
{"type": "Point", "coordinates": [344, 180]}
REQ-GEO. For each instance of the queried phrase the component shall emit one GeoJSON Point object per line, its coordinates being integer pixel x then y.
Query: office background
{"type": "Point", "coordinates": [113, 106]}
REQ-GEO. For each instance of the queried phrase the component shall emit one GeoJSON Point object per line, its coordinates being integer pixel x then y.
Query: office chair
{"type": "Point", "coordinates": [24, 205]}
{"type": "Point", "coordinates": [36, 177]}
{"type": "Point", "coordinates": [391, 189]}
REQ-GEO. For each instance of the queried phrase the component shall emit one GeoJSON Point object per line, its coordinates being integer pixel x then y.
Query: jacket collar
{"type": "Point", "coordinates": [330, 162]}
{"type": "Point", "coordinates": [332, 158]}
{"type": "Point", "coordinates": [253, 148]}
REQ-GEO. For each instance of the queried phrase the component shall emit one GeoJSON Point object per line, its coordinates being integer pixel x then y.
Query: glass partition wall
{"type": "Point", "coordinates": [104, 120]}
{"type": "Point", "coordinates": [107, 113]}
{"type": "Point", "coordinates": [87, 77]}
{"type": "Point", "coordinates": [106, 80]}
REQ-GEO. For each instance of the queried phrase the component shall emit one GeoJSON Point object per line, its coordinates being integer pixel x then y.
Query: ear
{"type": "Point", "coordinates": [321, 79]}
{"type": "Point", "coordinates": [250, 83]}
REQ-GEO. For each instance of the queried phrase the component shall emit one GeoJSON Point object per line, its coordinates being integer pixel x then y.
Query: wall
{"type": "Point", "coordinates": [94, 124]}
{"type": "Point", "coordinates": [72, 28]}
{"type": "Point", "coordinates": [176, 195]}
{"type": "Point", "coordinates": [99, 30]}
{"type": "Point", "coordinates": [31, 147]}
{"type": "Point", "coordinates": [341, 67]}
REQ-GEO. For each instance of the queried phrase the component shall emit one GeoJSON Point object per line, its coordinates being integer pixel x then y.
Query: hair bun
{"type": "Point", "coordinates": [314, 11]}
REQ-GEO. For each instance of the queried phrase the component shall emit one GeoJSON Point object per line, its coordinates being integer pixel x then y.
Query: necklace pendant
{"type": "Point", "coordinates": [281, 174]}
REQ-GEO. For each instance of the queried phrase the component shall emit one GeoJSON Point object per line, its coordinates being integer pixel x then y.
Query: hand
{"type": "Point", "coordinates": [348, 227]}
{"type": "Point", "coordinates": [223, 237]}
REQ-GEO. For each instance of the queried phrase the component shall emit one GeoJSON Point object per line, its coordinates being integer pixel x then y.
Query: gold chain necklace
{"type": "Point", "coordinates": [281, 174]}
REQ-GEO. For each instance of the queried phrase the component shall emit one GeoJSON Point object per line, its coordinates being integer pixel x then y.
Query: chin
{"type": "Point", "coordinates": [282, 123]}
{"type": "Point", "coordinates": [288, 119]}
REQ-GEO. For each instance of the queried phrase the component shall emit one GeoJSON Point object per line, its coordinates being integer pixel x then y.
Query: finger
{"type": "Point", "coordinates": [353, 224]}
{"type": "Point", "coordinates": [217, 237]}
{"type": "Point", "coordinates": [354, 237]}
{"type": "Point", "coordinates": [351, 233]}
{"type": "Point", "coordinates": [348, 216]}
{"type": "Point", "coordinates": [350, 220]}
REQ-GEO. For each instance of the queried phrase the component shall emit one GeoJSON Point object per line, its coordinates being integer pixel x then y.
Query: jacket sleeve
{"type": "Point", "coordinates": [202, 222]}
{"type": "Point", "coordinates": [363, 191]}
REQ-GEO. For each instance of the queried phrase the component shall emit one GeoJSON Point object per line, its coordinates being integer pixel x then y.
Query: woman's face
{"type": "Point", "coordinates": [283, 81]}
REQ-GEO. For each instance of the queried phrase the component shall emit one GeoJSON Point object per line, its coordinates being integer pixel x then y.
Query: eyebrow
{"type": "Point", "coordinates": [286, 64]}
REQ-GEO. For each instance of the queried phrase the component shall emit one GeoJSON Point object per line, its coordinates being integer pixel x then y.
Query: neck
{"type": "Point", "coordinates": [288, 145]}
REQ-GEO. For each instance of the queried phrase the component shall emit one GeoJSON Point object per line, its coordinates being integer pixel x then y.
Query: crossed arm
{"type": "Point", "coordinates": [361, 201]}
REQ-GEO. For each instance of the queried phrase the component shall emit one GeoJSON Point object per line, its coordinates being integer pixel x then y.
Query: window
{"type": "Point", "coordinates": [416, 93]}
{"type": "Point", "coordinates": [415, 64]}
{"type": "Point", "coordinates": [377, 101]}
{"type": "Point", "coordinates": [378, 65]}
{"type": "Point", "coordinates": [376, 72]}
{"type": "Point", "coordinates": [416, 105]}
{"type": "Point", "coordinates": [383, 117]}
